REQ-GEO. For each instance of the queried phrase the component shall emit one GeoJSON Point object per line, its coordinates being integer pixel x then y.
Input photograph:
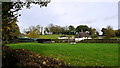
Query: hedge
{"type": "Point", "coordinates": [100, 41]}
{"type": "Point", "coordinates": [59, 40]}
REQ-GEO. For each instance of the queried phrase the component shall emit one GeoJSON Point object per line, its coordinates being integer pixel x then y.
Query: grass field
{"type": "Point", "coordinates": [81, 54]}
{"type": "Point", "coordinates": [51, 36]}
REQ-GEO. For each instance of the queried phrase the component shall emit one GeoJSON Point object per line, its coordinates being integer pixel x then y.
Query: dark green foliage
{"type": "Point", "coordinates": [104, 31]}
{"type": "Point", "coordinates": [100, 41]}
{"type": "Point", "coordinates": [56, 29]}
{"type": "Point", "coordinates": [46, 30]}
{"type": "Point", "coordinates": [71, 28]}
{"type": "Point", "coordinates": [108, 32]}
{"type": "Point", "coordinates": [8, 22]}
{"type": "Point", "coordinates": [117, 33]}
{"type": "Point", "coordinates": [83, 28]}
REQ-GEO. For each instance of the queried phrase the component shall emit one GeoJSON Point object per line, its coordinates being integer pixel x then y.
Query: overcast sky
{"type": "Point", "coordinates": [94, 13]}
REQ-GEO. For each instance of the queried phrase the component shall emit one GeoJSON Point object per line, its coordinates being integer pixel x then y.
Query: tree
{"type": "Point", "coordinates": [55, 29]}
{"type": "Point", "coordinates": [51, 27]}
{"type": "Point", "coordinates": [117, 33]}
{"type": "Point", "coordinates": [9, 16]}
{"type": "Point", "coordinates": [93, 32]}
{"type": "Point", "coordinates": [104, 31]}
{"type": "Point", "coordinates": [46, 30]}
{"type": "Point", "coordinates": [71, 30]}
{"type": "Point", "coordinates": [33, 32]}
{"type": "Point", "coordinates": [81, 28]}
{"type": "Point", "coordinates": [108, 32]}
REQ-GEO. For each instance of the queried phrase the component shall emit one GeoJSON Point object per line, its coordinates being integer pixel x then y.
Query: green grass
{"type": "Point", "coordinates": [81, 54]}
{"type": "Point", "coordinates": [51, 36]}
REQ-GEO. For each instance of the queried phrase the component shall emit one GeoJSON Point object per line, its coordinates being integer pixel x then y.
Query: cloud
{"type": "Point", "coordinates": [68, 13]}
{"type": "Point", "coordinates": [88, 21]}
{"type": "Point", "coordinates": [85, 0]}
{"type": "Point", "coordinates": [110, 18]}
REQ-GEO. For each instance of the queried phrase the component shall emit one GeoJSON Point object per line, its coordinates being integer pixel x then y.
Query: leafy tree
{"type": "Point", "coordinates": [81, 28]}
{"type": "Point", "coordinates": [93, 32]}
{"type": "Point", "coordinates": [50, 27]}
{"type": "Point", "coordinates": [62, 30]}
{"type": "Point", "coordinates": [55, 29]}
{"type": "Point", "coordinates": [33, 32]}
{"type": "Point", "coordinates": [38, 27]}
{"type": "Point", "coordinates": [46, 30]}
{"type": "Point", "coordinates": [108, 32]}
{"type": "Point", "coordinates": [9, 17]}
{"type": "Point", "coordinates": [117, 33]}
{"type": "Point", "coordinates": [71, 30]}
{"type": "Point", "coordinates": [65, 30]}
{"type": "Point", "coordinates": [104, 31]}
{"type": "Point", "coordinates": [97, 33]}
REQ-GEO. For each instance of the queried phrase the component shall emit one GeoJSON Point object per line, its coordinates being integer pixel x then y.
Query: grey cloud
{"type": "Point", "coordinates": [110, 17]}
{"type": "Point", "coordinates": [88, 21]}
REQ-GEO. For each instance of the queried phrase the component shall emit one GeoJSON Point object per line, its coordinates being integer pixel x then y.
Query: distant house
{"type": "Point", "coordinates": [66, 37]}
{"type": "Point", "coordinates": [63, 37]}
{"type": "Point", "coordinates": [81, 36]}
{"type": "Point", "coordinates": [101, 37]}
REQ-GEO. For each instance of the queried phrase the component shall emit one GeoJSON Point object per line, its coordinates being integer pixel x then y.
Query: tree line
{"type": "Point", "coordinates": [108, 32]}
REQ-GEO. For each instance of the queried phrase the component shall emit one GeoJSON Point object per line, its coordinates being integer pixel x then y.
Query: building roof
{"type": "Point", "coordinates": [82, 34]}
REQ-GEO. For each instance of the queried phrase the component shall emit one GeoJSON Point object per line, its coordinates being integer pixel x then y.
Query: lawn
{"type": "Point", "coordinates": [81, 54]}
{"type": "Point", "coordinates": [51, 36]}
